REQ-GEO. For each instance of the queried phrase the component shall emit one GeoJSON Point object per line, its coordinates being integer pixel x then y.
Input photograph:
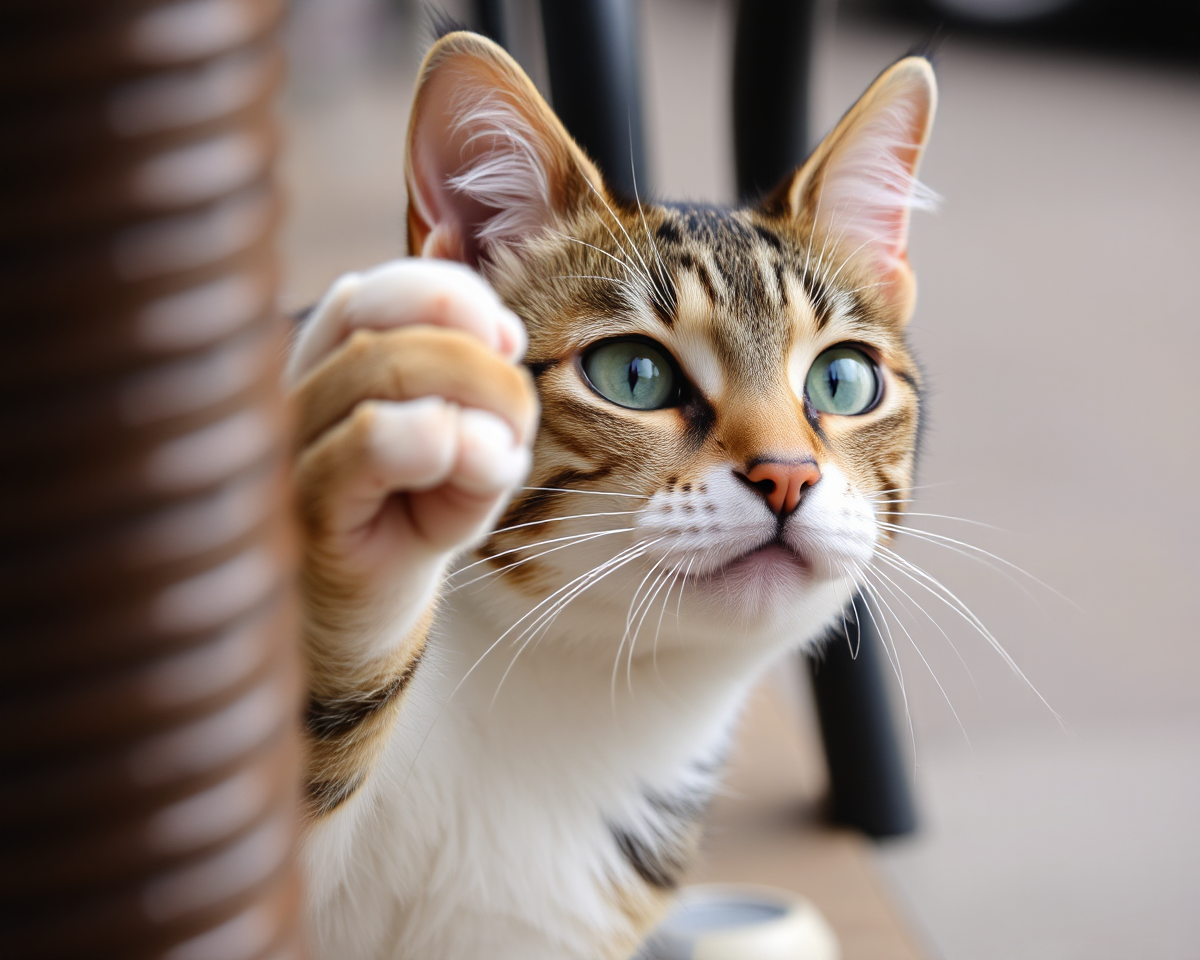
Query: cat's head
{"type": "Point", "coordinates": [729, 406]}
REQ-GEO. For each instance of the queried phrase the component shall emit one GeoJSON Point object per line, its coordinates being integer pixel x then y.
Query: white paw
{"type": "Point", "coordinates": [402, 293]}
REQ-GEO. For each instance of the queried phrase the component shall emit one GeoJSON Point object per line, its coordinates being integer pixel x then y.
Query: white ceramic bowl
{"type": "Point", "coordinates": [741, 922]}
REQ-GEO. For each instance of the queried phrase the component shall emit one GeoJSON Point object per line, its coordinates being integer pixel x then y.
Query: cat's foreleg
{"type": "Point", "coordinates": [413, 424]}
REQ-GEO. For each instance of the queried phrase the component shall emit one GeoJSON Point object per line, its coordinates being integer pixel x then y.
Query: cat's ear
{"type": "Point", "coordinates": [857, 189]}
{"type": "Point", "coordinates": [488, 162]}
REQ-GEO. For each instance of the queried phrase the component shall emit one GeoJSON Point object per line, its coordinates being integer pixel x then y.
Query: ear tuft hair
{"type": "Point", "coordinates": [870, 184]}
{"type": "Point", "coordinates": [860, 184]}
{"type": "Point", "coordinates": [442, 24]}
{"type": "Point", "coordinates": [508, 176]}
{"type": "Point", "coordinates": [488, 162]}
{"type": "Point", "coordinates": [929, 47]}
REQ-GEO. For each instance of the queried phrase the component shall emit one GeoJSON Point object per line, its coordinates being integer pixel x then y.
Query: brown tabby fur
{"type": "Point", "coordinates": [352, 703]}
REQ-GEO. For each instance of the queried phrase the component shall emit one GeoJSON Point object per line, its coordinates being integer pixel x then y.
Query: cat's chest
{"type": "Point", "coordinates": [548, 771]}
{"type": "Point", "coordinates": [540, 796]}
{"type": "Point", "coordinates": [552, 734]}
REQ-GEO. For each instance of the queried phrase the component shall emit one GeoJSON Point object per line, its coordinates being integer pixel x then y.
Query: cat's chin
{"type": "Point", "coordinates": [771, 587]}
{"type": "Point", "coordinates": [762, 576]}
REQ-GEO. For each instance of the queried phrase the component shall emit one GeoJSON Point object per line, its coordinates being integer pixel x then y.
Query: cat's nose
{"type": "Point", "coordinates": [782, 483]}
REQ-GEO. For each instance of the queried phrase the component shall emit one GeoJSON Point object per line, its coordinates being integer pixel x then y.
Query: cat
{"type": "Point", "coordinates": [521, 689]}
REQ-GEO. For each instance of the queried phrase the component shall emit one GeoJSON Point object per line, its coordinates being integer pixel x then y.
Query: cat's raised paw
{"type": "Point", "coordinates": [413, 424]}
{"type": "Point", "coordinates": [403, 293]}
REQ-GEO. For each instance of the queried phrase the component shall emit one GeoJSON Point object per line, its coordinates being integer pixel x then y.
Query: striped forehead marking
{"type": "Point", "coordinates": [740, 303]}
{"type": "Point", "coordinates": [733, 270]}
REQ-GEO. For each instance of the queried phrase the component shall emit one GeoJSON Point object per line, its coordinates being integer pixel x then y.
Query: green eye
{"type": "Point", "coordinates": [843, 380]}
{"type": "Point", "coordinates": [631, 373]}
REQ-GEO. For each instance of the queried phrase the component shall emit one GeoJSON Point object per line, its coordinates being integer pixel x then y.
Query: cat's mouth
{"type": "Point", "coordinates": [773, 557]}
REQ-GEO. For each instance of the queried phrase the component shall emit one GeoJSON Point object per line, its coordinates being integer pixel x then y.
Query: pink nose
{"type": "Point", "coordinates": [783, 483]}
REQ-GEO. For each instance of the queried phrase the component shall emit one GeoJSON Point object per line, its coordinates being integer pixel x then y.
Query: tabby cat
{"type": "Point", "coordinates": [509, 746]}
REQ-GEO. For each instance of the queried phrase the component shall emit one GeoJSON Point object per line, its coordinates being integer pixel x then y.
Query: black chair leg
{"type": "Point", "coordinates": [772, 64]}
{"type": "Point", "coordinates": [592, 53]}
{"type": "Point", "coordinates": [490, 21]}
{"type": "Point", "coordinates": [868, 783]}
{"type": "Point", "coordinates": [869, 786]}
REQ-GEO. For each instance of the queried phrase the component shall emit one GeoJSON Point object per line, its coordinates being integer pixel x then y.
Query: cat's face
{"type": "Point", "coordinates": [729, 407]}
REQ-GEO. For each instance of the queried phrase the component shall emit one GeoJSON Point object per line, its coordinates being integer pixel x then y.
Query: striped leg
{"type": "Point", "coordinates": [413, 426]}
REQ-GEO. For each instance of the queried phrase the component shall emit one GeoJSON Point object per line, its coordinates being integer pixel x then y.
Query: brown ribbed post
{"type": "Point", "coordinates": [148, 670]}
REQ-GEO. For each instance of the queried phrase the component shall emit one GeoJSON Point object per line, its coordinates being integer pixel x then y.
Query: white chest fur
{"type": "Point", "coordinates": [496, 813]}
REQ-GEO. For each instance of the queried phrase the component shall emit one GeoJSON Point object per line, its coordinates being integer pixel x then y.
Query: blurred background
{"type": "Point", "coordinates": [1059, 327]}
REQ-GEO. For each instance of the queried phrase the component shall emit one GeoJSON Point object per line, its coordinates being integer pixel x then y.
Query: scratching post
{"type": "Point", "coordinates": [148, 668]}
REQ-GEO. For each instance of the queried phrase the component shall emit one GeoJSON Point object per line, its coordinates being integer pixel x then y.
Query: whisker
{"type": "Point", "coordinates": [622, 263]}
{"type": "Point", "coordinates": [583, 588]}
{"type": "Point", "coordinates": [633, 292]}
{"type": "Point", "coordinates": [945, 516]}
{"type": "Point", "coordinates": [853, 585]}
{"type": "Point", "coordinates": [575, 539]}
{"type": "Point", "coordinates": [887, 608]}
{"type": "Point", "coordinates": [492, 646]}
{"type": "Point", "coordinates": [500, 571]}
{"type": "Point", "coordinates": [943, 593]}
{"type": "Point", "coordinates": [813, 230]}
{"type": "Point", "coordinates": [644, 282]}
{"type": "Point", "coordinates": [950, 543]}
{"type": "Point", "coordinates": [846, 260]}
{"type": "Point", "coordinates": [666, 600]}
{"type": "Point", "coordinates": [629, 554]}
{"type": "Point", "coordinates": [634, 603]}
{"type": "Point", "coordinates": [819, 270]}
{"type": "Point", "coordinates": [631, 613]}
{"type": "Point", "coordinates": [900, 624]}
{"type": "Point", "coordinates": [633, 246]}
{"type": "Point", "coordinates": [576, 516]}
{"type": "Point", "coordinates": [551, 597]}
{"type": "Point", "coordinates": [930, 618]}
{"type": "Point", "coordinates": [659, 583]}
{"type": "Point", "coordinates": [871, 286]}
{"type": "Point", "coordinates": [893, 655]}
{"type": "Point", "coordinates": [547, 617]}
{"type": "Point", "coordinates": [919, 486]}
{"type": "Point", "coordinates": [597, 493]}
{"type": "Point", "coordinates": [920, 535]}
{"type": "Point", "coordinates": [686, 573]}
{"type": "Point", "coordinates": [642, 213]}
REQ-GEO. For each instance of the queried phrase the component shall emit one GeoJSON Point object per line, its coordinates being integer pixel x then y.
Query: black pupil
{"type": "Point", "coordinates": [834, 379]}
{"type": "Point", "coordinates": [633, 373]}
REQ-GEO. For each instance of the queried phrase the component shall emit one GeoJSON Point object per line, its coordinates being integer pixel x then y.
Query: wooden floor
{"type": "Point", "coordinates": [766, 828]}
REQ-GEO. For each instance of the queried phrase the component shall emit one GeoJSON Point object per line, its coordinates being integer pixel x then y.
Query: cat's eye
{"type": "Point", "coordinates": [632, 373]}
{"type": "Point", "coordinates": [843, 380]}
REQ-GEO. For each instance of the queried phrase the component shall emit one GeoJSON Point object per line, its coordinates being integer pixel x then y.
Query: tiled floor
{"type": "Point", "coordinates": [1059, 325]}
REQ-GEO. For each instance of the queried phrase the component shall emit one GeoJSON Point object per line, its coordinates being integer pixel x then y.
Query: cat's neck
{"type": "Point", "coordinates": [521, 755]}
{"type": "Point", "coordinates": [651, 715]}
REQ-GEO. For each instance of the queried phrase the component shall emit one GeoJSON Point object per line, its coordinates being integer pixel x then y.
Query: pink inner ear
{"type": "Point", "coordinates": [869, 186]}
{"type": "Point", "coordinates": [479, 163]}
